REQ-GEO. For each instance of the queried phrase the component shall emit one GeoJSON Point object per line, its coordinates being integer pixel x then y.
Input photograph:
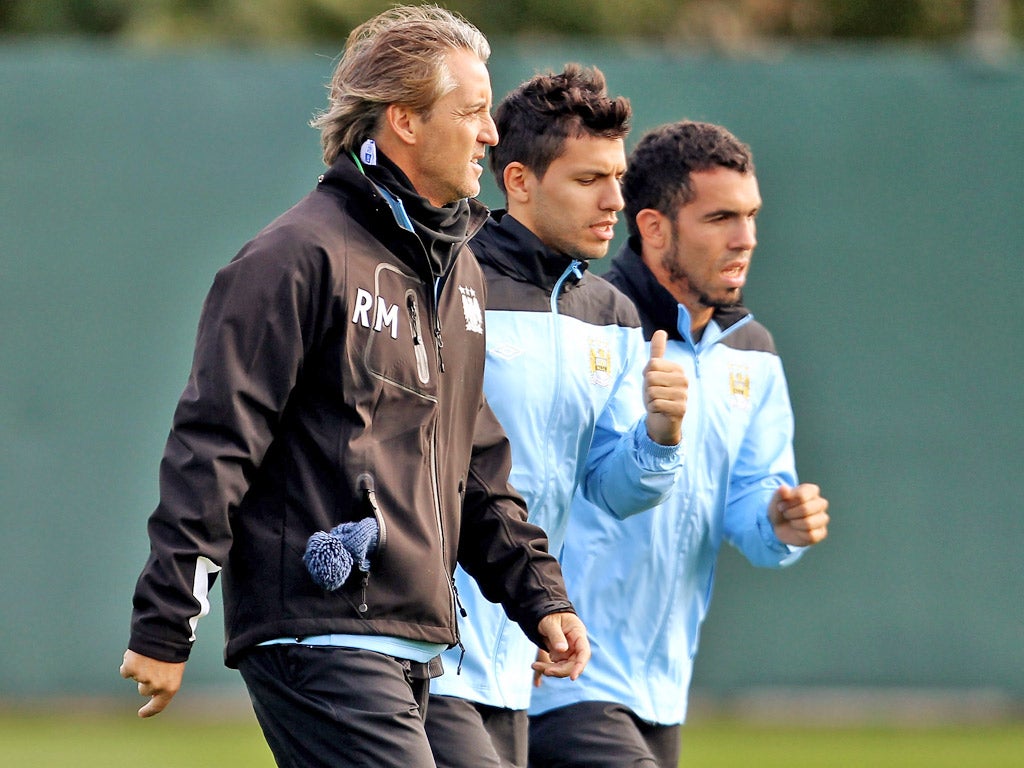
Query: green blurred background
{"type": "Point", "coordinates": [144, 142]}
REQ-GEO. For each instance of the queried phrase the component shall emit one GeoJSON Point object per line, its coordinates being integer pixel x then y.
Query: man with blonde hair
{"type": "Point", "coordinates": [333, 455]}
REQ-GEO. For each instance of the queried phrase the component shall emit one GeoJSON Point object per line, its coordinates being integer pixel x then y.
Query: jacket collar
{"type": "Point", "coordinates": [368, 204]}
{"type": "Point", "coordinates": [510, 248]}
{"type": "Point", "coordinates": [657, 307]}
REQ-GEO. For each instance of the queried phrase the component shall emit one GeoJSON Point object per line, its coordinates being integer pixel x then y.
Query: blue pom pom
{"type": "Point", "coordinates": [327, 560]}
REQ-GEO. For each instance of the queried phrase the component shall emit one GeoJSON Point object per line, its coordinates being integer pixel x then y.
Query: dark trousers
{"type": "Point", "coordinates": [339, 707]}
{"type": "Point", "coordinates": [465, 734]}
{"type": "Point", "coordinates": [600, 734]}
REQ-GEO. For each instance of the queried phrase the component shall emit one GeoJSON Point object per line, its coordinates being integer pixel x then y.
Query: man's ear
{"type": "Point", "coordinates": [402, 122]}
{"type": "Point", "coordinates": [517, 182]}
{"type": "Point", "coordinates": [653, 227]}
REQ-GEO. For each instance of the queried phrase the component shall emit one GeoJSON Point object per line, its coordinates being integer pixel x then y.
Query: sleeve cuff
{"type": "Point", "coordinates": [767, 531]}
{"type": "Point", "coordinates": [653, 456]}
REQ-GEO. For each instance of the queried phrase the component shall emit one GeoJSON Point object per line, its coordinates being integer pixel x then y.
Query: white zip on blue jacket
{"type": "Point", "coordinates": [564, 375]}
{"type": "Point", "coordinates": [643, 585]}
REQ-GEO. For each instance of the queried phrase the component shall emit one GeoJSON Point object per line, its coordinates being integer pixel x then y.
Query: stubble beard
{"type": "Point", "coordinates": [680, 277]}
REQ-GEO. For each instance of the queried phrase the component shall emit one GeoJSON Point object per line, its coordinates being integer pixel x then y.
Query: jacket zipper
{"type": "Point", "coordinates": [438, 340]}
{"type": "Point", "coordinates": [420, 351]}
{"type": "Point", "coordinates": [454, 603]}
{"type": "Point", "coordinates": [697, 351]}
{"type": "Point", "coordinates": [573, 268]}
{"type": "Point", "coordinates": [453, 599]}
{"type": "Point", "coordinates": [401, 217]}
{"type": "Point", "coordinates": [435, 484]}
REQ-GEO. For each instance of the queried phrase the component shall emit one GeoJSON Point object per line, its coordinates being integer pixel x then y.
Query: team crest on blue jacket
{"type": "Point", "coordinates": [600, 363]}
{"type": "Point", "coordinates": [471, 309]}
{"type": "Point", "coordinates": [739, 387]}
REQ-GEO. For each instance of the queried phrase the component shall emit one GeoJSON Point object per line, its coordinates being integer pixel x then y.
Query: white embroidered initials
{"type": "Point", "coordinates": [384, 316]}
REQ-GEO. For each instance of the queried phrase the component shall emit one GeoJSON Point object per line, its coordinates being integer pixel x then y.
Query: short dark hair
{"type": "Point", "coordinates": [659, 168]}
{"type": "Point", "coordinates": [535, 119]}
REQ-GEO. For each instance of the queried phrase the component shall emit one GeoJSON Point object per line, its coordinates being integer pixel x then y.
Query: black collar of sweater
{"type": "Point", "coordinates": [440, 232]}
{"type": "Point", "coordinates": [509, 247]}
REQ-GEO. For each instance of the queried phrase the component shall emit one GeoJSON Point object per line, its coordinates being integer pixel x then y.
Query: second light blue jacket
{"type": "Point", "coordinates": [564, 375]}
{"type": "Point", "coordinates": [643, 585]}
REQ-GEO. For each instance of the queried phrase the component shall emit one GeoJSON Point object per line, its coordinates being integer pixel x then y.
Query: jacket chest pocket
{"type": "Point", "coordinates": [397, 320]}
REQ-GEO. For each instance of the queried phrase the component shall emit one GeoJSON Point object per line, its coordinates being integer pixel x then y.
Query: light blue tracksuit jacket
{"type": "Point", "coordinates": [564, 375]}
{"type": "Point", "coordinates": [642, 586]}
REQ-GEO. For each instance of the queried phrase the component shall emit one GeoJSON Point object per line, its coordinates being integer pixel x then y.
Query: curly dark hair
{"type": "Point", "coordinates": [659, 168]}
{"type": "Point", "coordinates": [535, 119]}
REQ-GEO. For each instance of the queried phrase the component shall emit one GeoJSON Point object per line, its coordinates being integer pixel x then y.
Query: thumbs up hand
{"type": "Point", "coordinates": [665, 392]}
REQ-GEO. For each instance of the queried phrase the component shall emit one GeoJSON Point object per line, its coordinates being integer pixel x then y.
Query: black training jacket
{"type": "Point", "coordinates": [329, 385]}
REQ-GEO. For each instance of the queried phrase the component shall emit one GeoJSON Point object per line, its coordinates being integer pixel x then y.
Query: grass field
{"type": "Point", "coordinates": [122, 741]}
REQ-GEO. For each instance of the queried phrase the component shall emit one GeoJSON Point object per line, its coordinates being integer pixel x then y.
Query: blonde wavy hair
{"type": "Point", "coordinates": [397, 57]}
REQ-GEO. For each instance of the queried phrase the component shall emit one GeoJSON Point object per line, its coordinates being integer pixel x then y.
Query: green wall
{"type": "Point", "coordinates": [890, 270]}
